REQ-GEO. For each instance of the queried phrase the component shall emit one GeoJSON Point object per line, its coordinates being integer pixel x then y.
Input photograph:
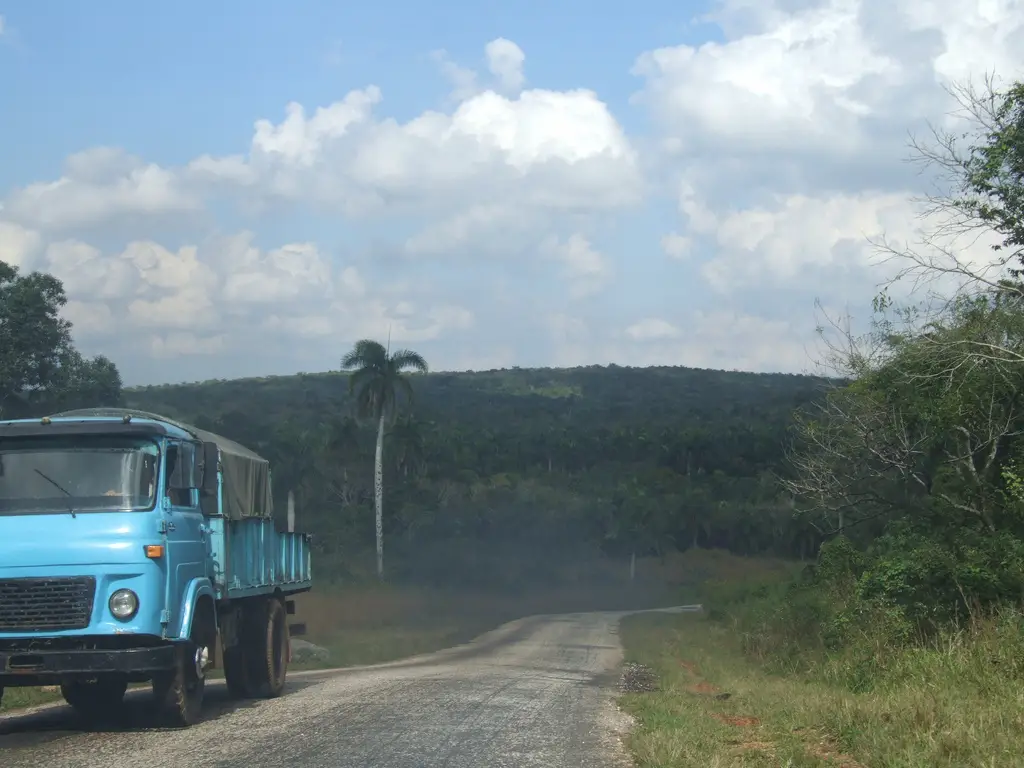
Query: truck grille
{"type": "Point", "coordinates": [37, 605]}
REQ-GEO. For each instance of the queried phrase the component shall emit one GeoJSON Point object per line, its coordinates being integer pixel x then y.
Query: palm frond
{"type": "Point", "coordinates": [406, 358]}
{"type": "Point", "coordinates": [366, 353]}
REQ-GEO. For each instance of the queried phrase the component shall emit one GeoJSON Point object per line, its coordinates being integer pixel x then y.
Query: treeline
{"type": "Point", "coordinates": [538, 465]}
{"type": "Point", "coordinates": [914, 471]}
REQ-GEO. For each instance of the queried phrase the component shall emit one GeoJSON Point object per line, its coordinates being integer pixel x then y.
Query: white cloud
{"type": "Point", "coordinates": [465, 225]}
{"type": "Point", "coordinates": [722, 339]}
{"type": "Point", "coordinates": [585, 269]}
{"type": "Point", "coordinates": [785, 140]}
{"type": "Point", "coordinates": [534, 149]}
{"type": "Point", "coordinates": [676, 246]}
{"type": "Point", "coordinates": [176, 345]}
{"type": "Point", "coordinates": [505, 61]}
{"type": "Point", "coordinates": [99, 186]}
{"type": "Point", "coordinates": [786, 86]}
{"type": "Point", "coordinates": [284, 275]}
{"type": "Point", "coordinates": [652, 328]}
{"type": "Point", "coordinates": [89, 275]}
{"type": "Point", "coordinates": [18, 245]}
{"type": "Point", "coordinates": [90, 319]}
{"type": "Point", "coordinates": [818, 95]}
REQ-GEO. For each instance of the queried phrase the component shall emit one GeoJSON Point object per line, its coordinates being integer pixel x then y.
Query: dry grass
{"type": "Point", "coordinates": [947, 706]}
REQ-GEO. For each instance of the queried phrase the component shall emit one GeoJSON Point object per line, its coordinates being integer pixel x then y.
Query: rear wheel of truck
{"type": "Point", "coordinates": [236, 672]}
{"type": "Point", "coordinates": [268, 660]}
{"type": "Point", "coordinates": [179, 692]}
{"type": "Point", "coordinates": [97, 698]}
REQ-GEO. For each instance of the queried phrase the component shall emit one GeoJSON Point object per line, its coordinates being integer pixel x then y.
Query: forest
{"type": "Point", "coordinates": [525, 467]}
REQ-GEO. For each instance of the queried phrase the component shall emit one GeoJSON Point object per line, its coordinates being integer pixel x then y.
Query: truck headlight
{"type": "Point", "coordinates": [124, 604]}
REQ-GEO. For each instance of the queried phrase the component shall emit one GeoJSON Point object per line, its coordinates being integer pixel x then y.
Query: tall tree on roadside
{"type": "Point", "coordinates": [40, 370]}
{"type": "Point", "coordinates": [380, 384]}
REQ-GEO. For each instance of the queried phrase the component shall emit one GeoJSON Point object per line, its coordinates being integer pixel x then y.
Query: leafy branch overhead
{"type": "Point", "coordinates": [40, 369]}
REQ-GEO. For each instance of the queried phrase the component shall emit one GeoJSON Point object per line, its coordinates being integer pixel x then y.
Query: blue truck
{"type": "Point", "coordinates": [135, 548]}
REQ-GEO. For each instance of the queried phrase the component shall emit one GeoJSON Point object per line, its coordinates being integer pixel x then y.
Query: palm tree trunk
{"type": "Point", "coordinates": [378, 492]}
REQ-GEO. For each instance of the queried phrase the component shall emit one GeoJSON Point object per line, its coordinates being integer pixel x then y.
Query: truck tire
{"type": "Point", "coordinates": [236, 672]}
{"type": "Point", "coordinates": [179, 692]}
{"type": "Point", "coordinates": [97, 698]}
{"type": "Point", "coordinates": [270, 650]}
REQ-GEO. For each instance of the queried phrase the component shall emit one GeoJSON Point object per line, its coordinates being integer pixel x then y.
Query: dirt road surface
{"type": "Point", "coordinates": [538, 692]}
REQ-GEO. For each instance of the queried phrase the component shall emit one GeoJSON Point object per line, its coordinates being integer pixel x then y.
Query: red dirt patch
{"type": "Point", "coordinates": [704, 687]}
{"type": "Point", "coordinates": [755, 746]}
{"type": "Point", "coordinates": [830, 755]}
{"type": "Point", "coordinates": [738, 720]}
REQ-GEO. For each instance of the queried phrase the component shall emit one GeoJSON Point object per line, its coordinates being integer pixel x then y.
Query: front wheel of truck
{"type": "Point", "coordinates": [179, 692]}
{"type": "Point", "coordinates": [97, 698]}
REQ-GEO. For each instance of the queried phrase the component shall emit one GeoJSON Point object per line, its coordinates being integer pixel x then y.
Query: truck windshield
{"type": "Point", "coordinates": [80, 474]}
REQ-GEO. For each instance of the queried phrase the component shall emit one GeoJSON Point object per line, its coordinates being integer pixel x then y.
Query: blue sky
{"type": "Point", "coordinates": [175, 80]}
{"type": "Point", "coordinates": [722, 176]}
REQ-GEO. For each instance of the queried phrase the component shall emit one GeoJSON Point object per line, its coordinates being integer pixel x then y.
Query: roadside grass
{"type": "Point", "coordinates": [956, 702]}
{"type": "Point", "coordinates": [21, 698]}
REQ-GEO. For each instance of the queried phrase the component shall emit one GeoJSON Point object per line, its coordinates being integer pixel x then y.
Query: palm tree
{"type": "Point", "coordinates": [379, 384]}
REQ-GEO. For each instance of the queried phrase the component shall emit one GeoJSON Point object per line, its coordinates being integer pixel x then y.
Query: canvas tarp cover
{"type": "Point", "coordinates": [246, 491]}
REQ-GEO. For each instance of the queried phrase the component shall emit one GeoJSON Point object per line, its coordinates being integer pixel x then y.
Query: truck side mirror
{"type": "Point", "coordinates": [208, 474]}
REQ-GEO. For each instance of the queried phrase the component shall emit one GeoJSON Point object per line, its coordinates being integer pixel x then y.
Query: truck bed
{"type": "Point", "coordinates": [254, 558]}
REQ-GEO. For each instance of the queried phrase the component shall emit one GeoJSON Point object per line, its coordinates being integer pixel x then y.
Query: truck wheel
{"type": "Point", "coordinates": [179, 693]}
{"type": "Point", "coordinates": [95, 698]}
{"type": "Point", "coordinates": [236, 672]}
{"type": "Point", "coordinates": [270, 651]}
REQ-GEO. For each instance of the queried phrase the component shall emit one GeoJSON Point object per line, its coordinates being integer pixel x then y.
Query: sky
{"type": "Point", "coordinates": [242, 189]}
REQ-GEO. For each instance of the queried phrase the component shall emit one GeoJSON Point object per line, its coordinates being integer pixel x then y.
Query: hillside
{"type": "Point", "coordinates": [621, 459]}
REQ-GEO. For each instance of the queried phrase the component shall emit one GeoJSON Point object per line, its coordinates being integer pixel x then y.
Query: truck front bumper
{"type": "Point", "coordinates": [42, 667]}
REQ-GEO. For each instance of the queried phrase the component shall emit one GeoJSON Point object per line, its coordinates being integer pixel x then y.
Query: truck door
{"type": "Point", "coordinates": [187, 534]}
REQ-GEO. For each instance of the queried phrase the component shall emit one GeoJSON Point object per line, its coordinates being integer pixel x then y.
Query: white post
{"type": "Point", "coordinates": [291, 511]}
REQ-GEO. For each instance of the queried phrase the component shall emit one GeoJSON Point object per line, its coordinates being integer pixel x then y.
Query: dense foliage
{"type": "Point", "coordinates": [40, 369]}
{"type": "Point", "coordinates": [540, 464]}
{"type": "Point", "coordinates": [915, 469]}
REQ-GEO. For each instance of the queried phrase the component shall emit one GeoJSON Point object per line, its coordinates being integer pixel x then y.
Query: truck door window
{"type": "Point", "coordinates": [183, 494]}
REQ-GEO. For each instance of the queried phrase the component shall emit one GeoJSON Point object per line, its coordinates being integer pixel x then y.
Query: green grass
{"type": "Point", "coordinates": [20, 698]}
{"type": "Point", "coordinates": [958, 702]}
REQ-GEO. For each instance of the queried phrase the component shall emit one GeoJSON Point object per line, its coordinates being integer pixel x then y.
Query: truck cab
{"type": "Point", "coordinates": [132, 546]}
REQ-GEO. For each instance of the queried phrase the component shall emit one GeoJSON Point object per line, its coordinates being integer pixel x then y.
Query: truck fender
{"type": "Point", "coordinates": [196, 589]}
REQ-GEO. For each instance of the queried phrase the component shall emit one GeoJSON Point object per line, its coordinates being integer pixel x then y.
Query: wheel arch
{"type": "Point", "coordinates": [200, 602]}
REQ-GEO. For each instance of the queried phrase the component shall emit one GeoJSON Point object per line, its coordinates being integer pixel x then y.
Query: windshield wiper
{"type": "Point", "coordinates": [56, 485]}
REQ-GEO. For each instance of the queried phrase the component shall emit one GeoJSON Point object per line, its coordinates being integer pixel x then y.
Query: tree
{"type": "Point", "coordinates": [40, 369]}
{"type": "Point", "coordinates": [379, 384]}
{"type": "Point", "coordinates": [916, 453]}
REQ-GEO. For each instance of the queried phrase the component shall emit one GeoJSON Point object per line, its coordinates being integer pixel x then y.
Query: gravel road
{"type": "Point", "coordinates": [535, 692]}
